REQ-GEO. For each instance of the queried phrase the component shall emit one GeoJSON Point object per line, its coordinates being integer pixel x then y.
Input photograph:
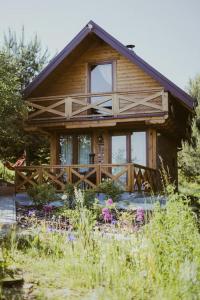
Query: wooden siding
{"type": "Point", "coordinates": [74, 78]}
{"type": "Point", "coordinates": [167, 156]}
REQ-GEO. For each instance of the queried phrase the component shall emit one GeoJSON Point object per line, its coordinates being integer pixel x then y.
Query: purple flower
{"type": "Point", "coordinates": [140, 215]}
{"type": "Point", "coordinates": [107, 216]}
{"type": "Point", "coordinates": [31, 213]}
{"type": "Point", "coordinates": [109, 202]}
{"type": "Point", "coordinates": [47, 208]}
{"type": "Point", "coordinates": [71, 237]}
{"type": "Point", "coordinates": [114, 222]}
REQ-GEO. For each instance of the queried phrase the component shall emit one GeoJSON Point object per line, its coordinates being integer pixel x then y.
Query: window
{"type": "Point", "coordinates": [66, 146]}
{"type": "Point", "coordinates": [101, 78]}
{"type": "Point", "coordinates": [138, 148]}
{"type": "Point", "coordinates": [101, 81]}
{"type": "Point", "coordinates": [84, 149]}
{"type": "Point", "coordinates": [68, 149]}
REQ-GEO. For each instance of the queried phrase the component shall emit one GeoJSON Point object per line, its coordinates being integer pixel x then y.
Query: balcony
{"type": "Point", "coordinates": [131, 177]}
{"type": "Point", "coordinates": [98, 106]}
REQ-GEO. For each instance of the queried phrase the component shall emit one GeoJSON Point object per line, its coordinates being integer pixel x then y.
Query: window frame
{"type": "Point", "coordinates": [128, 135]}
{"type": "Point", "coordinates": [104, 62]}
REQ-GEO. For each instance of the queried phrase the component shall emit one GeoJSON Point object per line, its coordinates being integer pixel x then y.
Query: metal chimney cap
{"type": "Point", "coordinates": [131, 46]}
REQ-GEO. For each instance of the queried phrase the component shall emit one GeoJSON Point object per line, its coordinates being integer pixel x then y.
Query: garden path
{"type": "Point", "coordinates": [7, 211]}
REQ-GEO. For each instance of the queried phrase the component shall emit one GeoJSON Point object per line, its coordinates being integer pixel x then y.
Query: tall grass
{"type": "Point", "coordinates": [161, 261]}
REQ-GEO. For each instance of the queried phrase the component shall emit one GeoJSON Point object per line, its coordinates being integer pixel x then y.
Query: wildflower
{"type": "Point", "coordinates": [107, 216]}
{"type": "Point", "coordinates": [114, 222]}
{"type": "Point", "coordinates": [140, 214]}
{"type": "Point", "coordinates": [31, 213]}
{"type": "Point", "coordinates": [47, 208]}
{"type": "Point", "coordinates": [71, 237]}
{"type": "Point", "coordinates": [109, 202]}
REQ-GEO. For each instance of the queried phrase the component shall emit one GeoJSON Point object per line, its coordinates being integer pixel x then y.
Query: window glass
{"type": "Point", "coordinates": [138, 148]}
{"type": "Point", "coordinates": [119, 149]}
{"type": "Point", "coordinates": [66, 149]}
{"type": "Point", "coordinates": [101, 82]}
{"type": "Point", "coordinates": [84, 149]}
{"type": "Point", "coordinates": [101, 78]}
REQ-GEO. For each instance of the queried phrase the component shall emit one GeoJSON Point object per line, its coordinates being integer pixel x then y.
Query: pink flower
{"type": "Point", "coordinates": [140, 215]}
{"type": "Point", "coordinates": [109, 202]}
{"type": "Point", "coordinates": [107, 216]}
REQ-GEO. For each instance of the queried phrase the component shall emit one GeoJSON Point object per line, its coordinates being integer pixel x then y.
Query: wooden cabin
{"type": "Point", "coordinates": [107, 113]}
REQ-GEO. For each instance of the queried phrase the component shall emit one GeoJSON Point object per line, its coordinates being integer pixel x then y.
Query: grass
{"type": "Point", "coordinates": [161, 261]}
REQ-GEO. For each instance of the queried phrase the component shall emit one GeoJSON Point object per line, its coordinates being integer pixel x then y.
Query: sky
{"type": "Point", "coordinates": [165, 32]}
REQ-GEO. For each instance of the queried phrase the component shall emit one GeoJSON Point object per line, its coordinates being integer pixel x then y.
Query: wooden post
{"type": "Point", "coordinates": [40, 177]}
{"type": "Point", "coordinates": [54, 149]}
{"type": "Point", "coordinates": [98, 174]}
{"type": "Point", "coordinates": [152, 148]}
{"type": "Point", "coordinates": [115, 104]}
{"type": "Point", "coordinates": [130, 177]}
{"type": "Point", "coordinates": [68, 107]}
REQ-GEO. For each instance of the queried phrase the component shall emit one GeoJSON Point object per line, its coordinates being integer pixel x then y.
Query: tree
{"type": "Point", "coordinates": [190, 154]}
{"type": "Point", "coordinates": [20, 62]}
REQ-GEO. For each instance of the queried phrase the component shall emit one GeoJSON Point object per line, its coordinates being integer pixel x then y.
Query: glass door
{"type": "Point", "coordinates": [119, 149]}
{"type": "Point", "coordinates": [119, 156]}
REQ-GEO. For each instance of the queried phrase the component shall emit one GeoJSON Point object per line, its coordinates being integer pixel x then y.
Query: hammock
{"type": "Point", "coordinates": [20, 162]}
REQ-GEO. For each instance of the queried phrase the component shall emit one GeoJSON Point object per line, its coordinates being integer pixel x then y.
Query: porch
{"type": "Point", "coordinates": [130, 177]}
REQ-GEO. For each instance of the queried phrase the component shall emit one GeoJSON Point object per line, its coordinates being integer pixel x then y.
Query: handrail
{"type": "Point", "coordinates": [116, 104]}
{"type": "Point", "coordinates": [83, 95]}
{"type": "Point", "coordinates": [133, 177]}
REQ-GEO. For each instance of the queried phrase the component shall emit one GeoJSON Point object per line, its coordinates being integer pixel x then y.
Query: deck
{"type": "Point", "coordinates": [131, 177]}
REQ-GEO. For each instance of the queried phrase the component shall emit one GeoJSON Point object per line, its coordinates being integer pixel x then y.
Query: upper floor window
{"type": "Point", "coordinates": [101, 78]}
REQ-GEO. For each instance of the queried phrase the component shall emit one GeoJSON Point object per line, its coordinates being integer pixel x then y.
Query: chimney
{"type": "Point", "coordinates": [130, 47]}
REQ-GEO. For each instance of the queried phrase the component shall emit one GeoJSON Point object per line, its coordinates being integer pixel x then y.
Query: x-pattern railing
{"type": "Point", "coordinates": [131, 177]}
{"type": "Point", "coordinates": [102, 104]}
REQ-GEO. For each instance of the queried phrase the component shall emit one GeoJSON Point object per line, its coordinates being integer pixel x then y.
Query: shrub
{"type": "Point", "coordinates": [110, 189]}
{"type": "Point", "coordinates": [89, 198]}
{"type": "Point", "coordinates": [42, 193]}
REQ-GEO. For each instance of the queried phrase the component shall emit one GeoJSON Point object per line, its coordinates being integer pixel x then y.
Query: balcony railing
{"type": "Point", "coordinates": [131, 177]}
{"type": "Point", "coordinates": [116, 104]}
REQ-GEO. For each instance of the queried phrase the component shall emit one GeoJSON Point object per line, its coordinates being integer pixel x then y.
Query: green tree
{"type": "Point", "coordinates": [189, 159]}
{"type": "Point", "coordinates": [21, 61]}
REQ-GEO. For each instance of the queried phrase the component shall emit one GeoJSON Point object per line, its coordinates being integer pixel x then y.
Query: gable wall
{"type": "Point", "coordinates": [74, 79]}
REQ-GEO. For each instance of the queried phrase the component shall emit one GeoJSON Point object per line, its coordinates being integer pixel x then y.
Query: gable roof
{"type": "Point", "coordinates": [177, 92]}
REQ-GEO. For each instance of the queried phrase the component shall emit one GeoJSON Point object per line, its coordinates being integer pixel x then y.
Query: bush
{"type": "Point", "coordinates": [110, 189]}
{"type": "Point", "coordinates": [42, 193]}
{"type": "Point", "coordinates": [89, 198]}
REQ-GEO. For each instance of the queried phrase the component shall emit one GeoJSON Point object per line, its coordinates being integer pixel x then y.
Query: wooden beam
{"type": "Point", "coordinates": [151, 148]}
{"type": "Point", "coordinates": [54, 149]}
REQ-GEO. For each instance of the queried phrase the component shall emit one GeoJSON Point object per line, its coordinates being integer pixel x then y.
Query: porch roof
{"type": "Point", "coordinates": [92, 27]}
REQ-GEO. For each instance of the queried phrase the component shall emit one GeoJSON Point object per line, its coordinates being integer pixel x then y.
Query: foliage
{"type": "Point", "coordinates": [20, 61]}
{"type": "Point", "coordinates": [89, 198]}
{"type": "Point", "coordinates": [6, 174]}
{"type": "Point", "coordinates": [42, 193]}
{"type": "Point", "coordinates": [161, 261]}
{"type": "Point", "coordinates": [189, 158]}
{"type": "Point", "coordinates": [110, 189]}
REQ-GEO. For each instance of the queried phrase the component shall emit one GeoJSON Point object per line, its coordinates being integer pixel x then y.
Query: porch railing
{"type": "Point", "coordinates": [131, 177]}
{"type": "Point", "coordinates": [78, 106]}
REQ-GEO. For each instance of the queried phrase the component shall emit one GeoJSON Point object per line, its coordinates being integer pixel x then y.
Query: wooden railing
{"type": "Point", "coordinates": [97, 105]}
{"type": "Point", "coordinates": [131, 177]}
